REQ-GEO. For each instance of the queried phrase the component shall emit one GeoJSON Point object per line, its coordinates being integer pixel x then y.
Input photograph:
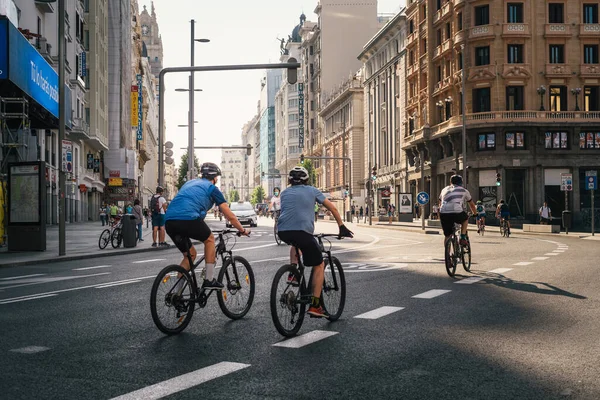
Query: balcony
{"type": "Point", "coordinates": [481, 73]}
{"type": "Point", "coordinates": [412, 69]}
{"type": "Point", "coordinates": [45, 7]}
{"type": "Point", "coordinates": [557, 30]}
{"type": "Point", "coordinates": [515, 30]}
{"type": "Point", "coordinates": [516, 71]}
{"type": "Point", "coordinates": [533, 117]}
{"type": "Point", "coordinates": [442, 85]}
{"type": "Point", "coordinates": [558, 71]}
{"type": "Point", "coordinates": [589, 30]}
{"type": "Point", "coordinates": [441, 49]}
{"type": "Point", "coordinates": [458, 2]}
{"type": "Point", "coordinates": [589, 70]}
{"type": "Point", "coordinates": [482, 32]}
{"type": "Point", "coordinates": [410, 39]}
{"type": "Point", "coordinates": [423, 61]}
{"type": "Point", "coordinates": [459, 37]}
{"type": "Point", "coordinates": [80, 130]}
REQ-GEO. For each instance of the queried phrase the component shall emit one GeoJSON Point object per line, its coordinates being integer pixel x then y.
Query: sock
{"type": "Point", "coordinates": [315, 301]}
{"type": "Point", "coordinates": [463, 236]}
{"type": "Point", "coordinates": [210, 271]}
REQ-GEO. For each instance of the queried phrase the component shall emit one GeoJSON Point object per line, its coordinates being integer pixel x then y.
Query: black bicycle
{"type": "Point", "coordinates": [275, 231]}
{"type": "Point", "coordinates": [176, 292]}
{"type": "Point", "coordinates": [455, 251]}
{"type": "Point", "coordinates": [504, 228]}
{"type": "Point", "coordinates": [290, 293]}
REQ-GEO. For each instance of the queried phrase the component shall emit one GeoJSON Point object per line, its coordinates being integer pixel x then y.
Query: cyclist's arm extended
{"type": "Point", "coordinates": [329, 205]}
{"type": "Point", "coordinates": [231, 218]}
{"type": "Point", "coordinates": [472, 206]}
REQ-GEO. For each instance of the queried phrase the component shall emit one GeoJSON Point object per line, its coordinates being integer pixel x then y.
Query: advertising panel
{"type": "Point", "coordinates": [134, 106]}
{"type": "Point", "coordinates": [300, 115]}
{"type": "Point", "coordinates": [406, 206]}
{"type": "Point", "coordinates": [24, 192]}
{"type": "Point", "coordinates": [139, 110]}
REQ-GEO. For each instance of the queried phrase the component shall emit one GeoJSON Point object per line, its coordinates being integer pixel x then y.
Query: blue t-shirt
{"type": "Point", "coordinates": [298, 208]}
{"type": "Point", "coordinates": [194, 200]}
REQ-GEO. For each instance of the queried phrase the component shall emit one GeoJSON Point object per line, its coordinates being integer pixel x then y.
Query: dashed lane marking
{"type": "Point", "coordinates": [500, 270]}
{"type": "Point", "coordinates": [523, 263]}
{"type": "Point", "coordinates": [540, 258]}
{"type": "Point", "coordinates": [551, 254]}
{"type": "Point", "coordinates": [146, 261]}
{"type": "Point", "coordinates": [27, 298]}
{"type": "Point", "coordinates": [20, 277]}
{"type": "Point", "coordinates": [125, 282]}
{"type": "Point", "coordinates": [379, 312]}
{"type": "Point", "coordinates": [50, 280]}
{"type": "Point", "coordinates": [471, 280]}
{"type": "Point", "coordinates": [430, 294]}
{"type": "Point", "coordinates": [30, 349]}
{"type": "Point", "coordinates": [96, 267]}
{"type": "Point", "coordinates": [558, 251]}
{"type": "Point", "coordinates": [306, 339]}
{"type": "Point", "coordinates": [183, 382]}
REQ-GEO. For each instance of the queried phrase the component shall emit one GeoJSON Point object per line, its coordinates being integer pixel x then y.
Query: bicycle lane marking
{"type": "Point", "coordinates": [306, 339]}
{"type": "Point", "coordinates": [50, 280]}
{"type": "Point", "coordinates": [379, 312]}
{"type": "Point", "coordinates": [430, 294]}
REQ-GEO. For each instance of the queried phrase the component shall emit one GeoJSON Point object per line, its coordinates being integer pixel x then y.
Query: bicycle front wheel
{"type": "Point", "coordinates": [104, 239]}
{"type": "Point", "coordinates": [450, 256]}
{"type": "Point", "coordinates": [287, 309]}
{"type": "Point", "coordinates": [333, 295]}
{"type": "Point", "coordinates": [276, 233]}
{"type": "Point", "coordinates": [237, 295]}
{"type": "Point", "coordinates": [465, 255]}
{"type": "Point", "coordinates": [172, 299]}
{"type": "Point", "coordinates": [115, 238]}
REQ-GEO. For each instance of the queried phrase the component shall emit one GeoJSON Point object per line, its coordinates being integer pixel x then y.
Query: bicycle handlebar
{"type": "Point", "coordinates": [323, 235]}
{"type": "Point", "coordinates": [227, 231]}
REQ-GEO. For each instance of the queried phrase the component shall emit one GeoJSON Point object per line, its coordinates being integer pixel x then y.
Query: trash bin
{"type": "Point", "coordinates": [129, 230]}
{"type": "Point", "coordinates": [566, 219]}
{"type": "Point", "coordinates": [348, 216]}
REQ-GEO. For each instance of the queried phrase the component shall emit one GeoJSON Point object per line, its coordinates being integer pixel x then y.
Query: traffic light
{"type": "Point", "coordinates": [248, 149]}
{"type": "Point", "coordinates": [347, 189]}
{"type": "Point", "coordinates": [374, 173]}
{"type": "Point", "coordinates": [498, 179]}
{"type": "Point", "coordinates": [262, 174]}
{"type": "Point", "coordinates": [292, 72]}
{"type": "Point", "coordinates": [301, 158]}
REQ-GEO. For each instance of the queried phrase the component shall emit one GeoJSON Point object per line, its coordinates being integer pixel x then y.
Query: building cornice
{"type": "Point", "coordinates": [393, 26]}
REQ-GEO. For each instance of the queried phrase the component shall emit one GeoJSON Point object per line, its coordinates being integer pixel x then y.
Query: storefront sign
{"type": "Point", "coordinates": [67, 156]}
{"type": "Point", "coordinates": [82, 188]}
{"type": "Point", "coordinates": [115, 182]}
{"type": "Point", "coordinates": [90, 161]}
{"type": "Point", "coordinates": [140, 135]}
{"type": "Point", "coordinates": [114, 173]}
{"type": "Point", "coordinates": [300, 115]}
{"type": "Point", "coordinates": [83, 67]}
{"type": "Point", "coordinates": [134, 106]}
{"type": "Point", "coordinates": [96, 165]}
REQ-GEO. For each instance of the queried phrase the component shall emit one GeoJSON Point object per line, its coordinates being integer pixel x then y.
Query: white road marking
{"type": "Point", "coordinates": [20, 277]}
{"type": "Point", "coordinates": [146, 261]}
{"type": "Point", "coordinates": [183, 382]}
{"type": "Point", "coordinates": [430, 294]}
{"type": "Point", "coordinates": [86, 268]}
{"type": "Point", "coordinates": [471, 280]}
{"type": "Point", "coordinates": [558, 251]}
{"type": "Point", "coordinates": [523, 263]}
{"type": "Point", "coordinates": [28, 298]}
{"type": "Point", "coordinates": [379, 312]}
{"type": "Point", "coordinates": [551, 254]}
{"type": "Point", "coordinates": [30, 349]}
{"type": "Point", "coordinates": [118, 284]}
{"type": "Point", "coordinates": [57, 279]}
{"type": "Point", "coordinates": [306, 339]}
{"type": "Point", "coordinates": [540, 258]}
{"type": "Point", "coordinates": [500, 270]}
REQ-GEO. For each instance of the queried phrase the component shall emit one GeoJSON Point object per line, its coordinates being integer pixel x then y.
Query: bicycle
{"type": "Point", "coordinates": [504, 228]}
{"type": "Point", "coordinates": [275, 231]}
{"type": "Point", "coordinates": [108, 234]}
{"type": "Point", "coordinates": [455, 251]}
{"type": "Point", "coordinates": [235, 273]}
{"type": "Point", "coordinates": [297, 293]}
{"type": "Point", "coordinates": [481, 226]}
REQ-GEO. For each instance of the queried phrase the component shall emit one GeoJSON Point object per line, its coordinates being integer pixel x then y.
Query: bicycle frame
{"type": "Point", "coordinates": [306, 289]}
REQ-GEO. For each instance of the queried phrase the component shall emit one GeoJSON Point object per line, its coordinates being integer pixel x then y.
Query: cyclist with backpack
{"type": "Point", "coordinates": [158, 206]}
{"type": "Point", "coordinates": [480, 216]}
{"type": "Point", "coordinates": [504, 212]}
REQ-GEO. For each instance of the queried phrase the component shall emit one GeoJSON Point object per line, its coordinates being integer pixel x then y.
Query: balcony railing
{"type": "Point", "coordinates": [557, 30]}
{"type": "Point", "coordinates": [558, 70]}
{"type": "Point", "coordinates": [589, 30]}
{"type": "Point", "coordinates": [515, 30]}
{"type": "Point", "coordinates": [482, 32]}
{"type": "Point", "coordinates": [459, 37]}
{"type": "Point", "coordinates": [589, 70]}
{"type": "Point", "coordinates": [533, 116]}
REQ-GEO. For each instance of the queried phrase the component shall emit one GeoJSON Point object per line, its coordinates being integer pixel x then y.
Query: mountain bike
{"type": "Point", "coordinates": [289, 297]}
{"type": "Point", "coordinates": [176, 290]}
{"type": "Point", "coordinates": [454, 251]}
{"type": "Point", "coordinates": [275, 232]}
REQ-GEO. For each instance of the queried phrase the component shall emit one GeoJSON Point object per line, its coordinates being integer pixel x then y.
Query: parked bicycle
{"type": "Point", "coordinates": [454, 251]}
{"type": "Point", "coordinates": [289, 297]}
{"type": "Point", "coordinates": [112, 234]}
{"type": "Point", "coordinates": [176, 293]}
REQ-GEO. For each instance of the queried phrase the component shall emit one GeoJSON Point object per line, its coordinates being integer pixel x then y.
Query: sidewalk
{"type": "Point", "coordinates": [81, 243]}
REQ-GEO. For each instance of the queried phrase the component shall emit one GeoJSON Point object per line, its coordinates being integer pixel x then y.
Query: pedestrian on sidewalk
{"type": "Point", "coordinates": [103, 215]}
{"type": "Point", "coordinates": [361, 212]}
{"type": "Point", "coordinates": [366, 213]}
{"type": "Point", "coordinates": [316, 211]}
{"type": "Point", "coordinates": [352, 212]}
{"type": "Point", "coordinates": [545, 214]}
{"type": "Point", "coordinates": [158, 206]}
{"type": "Point", "coordinates": [147, 216]}
{"type": "Point", "coordinates": [139, 218]}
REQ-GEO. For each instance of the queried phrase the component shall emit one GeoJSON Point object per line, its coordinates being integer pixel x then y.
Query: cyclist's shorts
{"type": "Point", "coordinates": [478, 216]}
{"type": "Point", "coordinates": [449, 219]}
{"type": "Point", "coordinates": [181, 231]}
{"type": "Point", "coordinates": [308, 245]}
{"type": "Point", "coordinates": [505, 215]}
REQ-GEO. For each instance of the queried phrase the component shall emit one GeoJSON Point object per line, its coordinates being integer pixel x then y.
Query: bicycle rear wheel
{"type": "Point", "coordinates": [115, 238]}
{"type": "Point", "coordinates": [237, 295]}
{"type": "Point", "coordinates": [465, 256]}
{"type": "Point", "coordinates": [275, 232]}
{"type": "Point", "coordinates": [104, 239]}
{"type": "Point", "coordinates": [333, 295]}
{"type": "Point", "coordinates": [287, 311]}
{"type": "Point", "coordinates": [450, 256]}
{"type": "Point", "coordinates": [172, 299]}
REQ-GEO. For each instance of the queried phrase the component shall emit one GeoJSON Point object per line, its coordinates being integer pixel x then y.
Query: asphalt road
{"type": "Point", "coordinates": [527, 330]}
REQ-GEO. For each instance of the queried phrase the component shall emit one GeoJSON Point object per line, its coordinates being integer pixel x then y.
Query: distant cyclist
{"type": "Point", "coordinates": [296, 227]}
{"type": "Point", "coordinates": [453, 199]}
{"type": "Point", "coordinates": [480, 216]}
{"type": "Point", "coordinates": [504, 212]}
{"type": "Point", "coordinates": [275, 205]}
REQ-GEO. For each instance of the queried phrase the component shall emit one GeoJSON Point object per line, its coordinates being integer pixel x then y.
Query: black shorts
{"type": "Point", "coordinates": [181, 232]}
{"type": "Point", "coordinates": [448, 221]}
{"type": "Point", "coordinates": [308, 245]}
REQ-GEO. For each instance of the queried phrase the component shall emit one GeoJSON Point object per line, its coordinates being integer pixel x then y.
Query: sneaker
{"type": "Point", "coordinates": [141, 240]}
{"type": "Point", "coordinates": [292, 280]}
{"type": "Point", "coordinates": [154, 244]}
{"type": "Point", "coordinates": [317, 312]}
{"type": "Point", "coordinates": [164, 244]}
{"type": "Point", "coordinates": [212, 285]}
{"type": "Point", "coordinates": [478, 230]}
{"type": "Point", "coordinates": [463, 242]}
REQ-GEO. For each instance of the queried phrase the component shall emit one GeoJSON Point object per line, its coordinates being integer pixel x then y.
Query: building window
{"type": "Point", "coordinates": [439, 37]}
{"type": "Point", "coordinates": [460, 61]}
{"type": "Point", "coordinates": [557, 54]}
{"type": "Point", "coordinates": [589, 140]}
{"type": "Point", "coordinates": [311, 50]}
{"type": "Point", "coordinates": [558, 98]}
{"type": "Point", "coordinates": [515, 53]}
{"type": "Point", "coordinates": [486, 141]}
{"type": "Point", "coordinates": [438, 71]}
{"type": "Point", "coordinates": [591, 98]}
{"type": "Point", "coordinates": [460, 21]}
{"type": "Point", "coordinates": [590, 54]}
{"type": "Point", "coordinates": [411, 26]}
{"type": "Point", "coordinates": [555, 13]}
{"type": "Point", "coordinates": [481, 100]}
{"type": "Point", "coordinates": [515, 140]}
{"type": "Point", "coordinates": [556, 140]}
{"type": "Point", "coordinates": [312, 123]}
{"type": "Point", "coordinates": [423, 46]}
{"type": "Point", "coordinates": [590, 13]}
{"type": "Point", "coordinates": [438, 4]}
{"type": "Point", "coordinates": [482, 55]}
{"type": "Point", "coordinates": [515, 13]}
{"type": "Point", "coordinates": [482, 15]}
{"type": "Point", "coordinates": [514, 98]}
{"type": "Point", "coordinates": [448, 31]}
{"type": "Point", "coordinates": [411, 57]}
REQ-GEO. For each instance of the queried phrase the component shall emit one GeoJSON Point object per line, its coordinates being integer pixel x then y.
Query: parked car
{"type": "Point", "coordinates": [244, 212]}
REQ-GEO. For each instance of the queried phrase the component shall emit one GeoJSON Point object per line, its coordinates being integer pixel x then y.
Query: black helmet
{"type": "Point", "coordinates": [159, 189]}
{"type": "Point", "coordinates": [210, 170]}
{"type": "Point", "coordinates": [298, 175]}
{"type": "Point", "coordinates": [456, 180]}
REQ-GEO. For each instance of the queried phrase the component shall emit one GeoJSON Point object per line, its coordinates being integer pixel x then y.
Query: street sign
{"type": "Point", "coordinates": [591, 183]}
{"type": "Point", "coordinates": [566, 182]}
{"type": "Point", "coordinates": [422, 198]}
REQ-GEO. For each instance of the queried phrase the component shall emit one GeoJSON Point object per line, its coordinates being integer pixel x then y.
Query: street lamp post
{"type": "Point", "coordinates": [541, 91]}
{"type": "Point", "coordinates": [575, 92]}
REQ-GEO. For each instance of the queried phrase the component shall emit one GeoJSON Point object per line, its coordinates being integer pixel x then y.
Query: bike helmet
{"type": "Point", "coordinates": [298, 176]}
{"type": "Point", "coordinates": [478, 201]}
{"type": "Point", "coordinates": [456, 180]}
{"type": "Point", "coordinates": [210, 170]}
{"type": "Point", "coordinates": [159, 189]}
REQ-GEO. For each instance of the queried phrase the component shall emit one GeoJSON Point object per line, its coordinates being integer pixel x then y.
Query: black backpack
{"type": "Point", "coordinates": [155, 205]}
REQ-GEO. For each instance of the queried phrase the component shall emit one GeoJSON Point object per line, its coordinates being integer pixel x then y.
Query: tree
{"type": "Point", "coordinates": [257, 195]}
{"type": "Point", "coordinates": [233, 196]}
{"type": "Point", "coordinates": [183, 170]}
{"type": "Point", "coordinates": [312, 175]}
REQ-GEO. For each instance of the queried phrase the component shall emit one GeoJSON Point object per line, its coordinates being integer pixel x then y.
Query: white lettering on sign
{"type": "Point", "coordinates": [42, 82]}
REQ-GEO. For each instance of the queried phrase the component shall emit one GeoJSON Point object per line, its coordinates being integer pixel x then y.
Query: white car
{"type": "Point", "coordinates": [244, 212]}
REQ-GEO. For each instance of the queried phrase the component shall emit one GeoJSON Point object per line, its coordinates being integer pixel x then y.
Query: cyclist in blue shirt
{"type": "Point", "coordinates": [296, 227]}
{"type": "Point", "coordinates": [480, 216]}
{"type": "Point", "coordinates": [185, 219]}
{"type": "Point", "coordinates": [504, 213]}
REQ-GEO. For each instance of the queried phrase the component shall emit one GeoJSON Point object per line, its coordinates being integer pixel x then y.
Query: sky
{"type": "Point", "coordinates": [240, 32]}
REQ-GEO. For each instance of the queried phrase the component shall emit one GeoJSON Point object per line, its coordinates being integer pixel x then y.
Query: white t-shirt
{"type": "Point", "coordinates": [161, 202]}
{"type": "Point", "coordinates": [453, 198]}
{"type": "Point", "coordinates": [545, 212]}
{"type": "Point", "coordinates": [276, 203]}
